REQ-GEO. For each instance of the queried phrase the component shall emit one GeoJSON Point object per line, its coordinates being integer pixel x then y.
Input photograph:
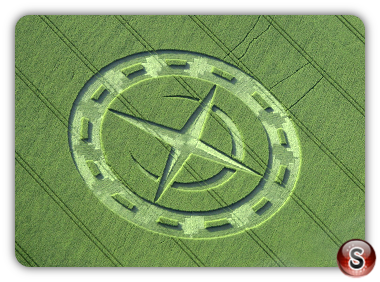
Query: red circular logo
{"type": "Point", "coordinates": [356, 258]}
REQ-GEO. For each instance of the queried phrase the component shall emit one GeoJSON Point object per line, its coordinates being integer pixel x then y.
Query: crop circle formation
{"type": "Point", "coordinates": [183, 144]}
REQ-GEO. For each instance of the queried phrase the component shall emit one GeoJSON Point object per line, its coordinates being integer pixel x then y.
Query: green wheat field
{"type": "Point", "coordinates": [188, 141]}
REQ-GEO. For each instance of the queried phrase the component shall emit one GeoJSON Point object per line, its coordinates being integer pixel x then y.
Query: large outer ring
{"type": "Point", "coordinates": [240, 215]}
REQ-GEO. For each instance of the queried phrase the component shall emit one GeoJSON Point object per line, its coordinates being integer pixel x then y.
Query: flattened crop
{"type": "Point", "coordinates": [225, 142]}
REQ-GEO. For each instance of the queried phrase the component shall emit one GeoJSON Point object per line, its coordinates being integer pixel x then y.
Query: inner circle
{"type": "Point", "coordinates": [173, 146]}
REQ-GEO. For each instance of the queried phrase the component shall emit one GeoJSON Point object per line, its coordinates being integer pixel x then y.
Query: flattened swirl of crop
{"type": "Point", "coordinates": [182, 144]}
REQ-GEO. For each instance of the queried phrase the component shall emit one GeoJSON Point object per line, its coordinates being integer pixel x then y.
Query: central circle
{"type": "Point", "coordinates": [158, 137]}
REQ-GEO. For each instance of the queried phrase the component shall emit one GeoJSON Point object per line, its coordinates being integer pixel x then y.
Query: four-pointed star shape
{"type": "Point", "coordinates": [184, 142]}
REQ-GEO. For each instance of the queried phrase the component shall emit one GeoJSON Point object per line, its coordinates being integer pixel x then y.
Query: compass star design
{"type": "Point", "coordinates": [184, 142]}
{"type": "Point", "coordinates": [157, 192]}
